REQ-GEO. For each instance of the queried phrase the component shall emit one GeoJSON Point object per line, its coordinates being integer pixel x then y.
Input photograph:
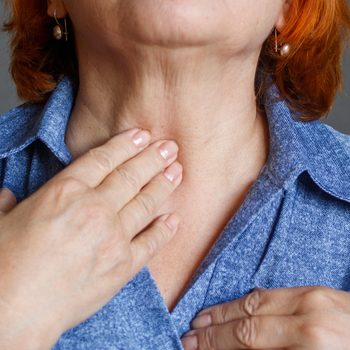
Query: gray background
{"type": "Point", "coordinates": [339, 117]}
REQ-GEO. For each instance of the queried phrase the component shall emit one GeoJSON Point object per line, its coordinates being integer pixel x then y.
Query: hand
{"type": "Point", "coordinates": [316, 318]}
{"type": "Point", "coordinates": [69, 247]}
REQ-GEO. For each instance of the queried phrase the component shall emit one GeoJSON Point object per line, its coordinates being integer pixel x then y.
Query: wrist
{"type": "Point", "coordinates": [19, 331]}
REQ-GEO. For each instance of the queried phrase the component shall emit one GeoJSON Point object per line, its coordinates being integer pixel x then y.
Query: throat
{"type": "Point", "coordinates": [176, 263]}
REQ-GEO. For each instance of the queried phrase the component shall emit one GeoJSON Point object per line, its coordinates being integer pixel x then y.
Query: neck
{"type": "Point", "coordinates": [199, 98]}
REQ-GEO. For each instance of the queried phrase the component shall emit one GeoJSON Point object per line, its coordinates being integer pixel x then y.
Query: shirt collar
{"type": "Point", "coordinates": [47, 121]}
{"type": "Point", "coordinates": [295, 145]}
{"type": "Point", "coordinates": [306, 145]}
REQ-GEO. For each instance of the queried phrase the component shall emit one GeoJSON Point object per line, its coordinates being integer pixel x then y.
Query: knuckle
{"type": "Point", "coordinates": [146, 202]}
{"type": "Point", "coordinates": [102, 158]}
{"type": "Point", "coordinates": [246, 332]}
{"type": "Point", "coordinates": [252, 302]}
{"type": "Point", "coordinates": [317, 297]}
{"type": "Point", "coordinates": [67, 184]}
{"type": "Point", "coordinates": [208, 339]}
{"type": "Point", "coordinates": [61, 189]}
{"type": "Point", "coordinates": [222, 314]}
{"type": "Point", "coordinates": [129, 176]}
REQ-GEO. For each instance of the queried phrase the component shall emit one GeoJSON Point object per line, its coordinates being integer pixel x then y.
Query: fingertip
{"type": "Point", "coordinates": [7, 199]}
{"type": "Point", "coordinates": [7, 193]}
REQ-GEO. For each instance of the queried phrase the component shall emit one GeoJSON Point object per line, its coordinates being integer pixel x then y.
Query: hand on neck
{"type": "Point", "coordinates": [199, 97]}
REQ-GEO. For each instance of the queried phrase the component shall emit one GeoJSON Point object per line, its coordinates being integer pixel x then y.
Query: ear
{"type": "Point", "coordinates": [57, 5]}
{"type": "Point", "coordinates": [283, 14]}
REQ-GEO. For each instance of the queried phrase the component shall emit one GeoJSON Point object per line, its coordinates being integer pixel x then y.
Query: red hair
{"type": "Point", "coordinates": [309, 77]}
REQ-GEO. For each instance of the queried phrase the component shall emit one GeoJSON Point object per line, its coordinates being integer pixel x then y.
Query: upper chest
{"type": "Point", "coordinates": [200, 226]}
{"type": "Point", "coordinates": [175, 264]}
{"type": "Point", "coordinates": [173, 267]}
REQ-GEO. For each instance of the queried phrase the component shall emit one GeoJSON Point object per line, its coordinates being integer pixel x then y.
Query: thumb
{"type": "Point", "coordinates": [7, 200]}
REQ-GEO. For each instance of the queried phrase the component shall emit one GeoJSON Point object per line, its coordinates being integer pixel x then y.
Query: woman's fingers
{"type": "Point", "coordinates": [128, 178]}
{"type": "Point", "coordinates": [257, 332]}
{"type": "Point", "coordinates": [7, 200]}
{"type": "Point", "coordinates": [275, 301]}
{"type": "Point", "coordinates": [78, 211]}
{"type": "Point", "coordinates": [274, 318]}
{"type": "Point", "coordinates": [141, 210]}
{"type": "Point", "coordinates": [92, 167]}
{"type": "Point", "coordinates": [149, 242]}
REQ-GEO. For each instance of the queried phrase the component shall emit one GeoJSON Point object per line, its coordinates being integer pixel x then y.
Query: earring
{"type": "Point", "coordinates": [282, 50]}
{"type": "Point", "coordinates": [57, 29]}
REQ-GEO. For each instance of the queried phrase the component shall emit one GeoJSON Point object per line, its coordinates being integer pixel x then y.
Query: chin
{"type": "Point", "coordinates": [173, 23]}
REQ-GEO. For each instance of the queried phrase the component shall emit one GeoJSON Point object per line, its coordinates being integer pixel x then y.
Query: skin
{"type": "Point", "coordinates": [298, 318]}
{"type": "Point", "coordinates": [184, 70]}
{"type": "Point", "coordinates": [51, 255]}
{"type": "Point", "coordinates": [181, 70]}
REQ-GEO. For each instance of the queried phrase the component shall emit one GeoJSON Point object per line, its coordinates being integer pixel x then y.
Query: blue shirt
{"type": "Point", "coordinates": [292, 229]}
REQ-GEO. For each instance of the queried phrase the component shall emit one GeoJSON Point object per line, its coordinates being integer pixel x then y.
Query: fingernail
{"type": "Point", "coordinates": [201, 321]}
{"type": "Point", "coordinates": [191, 332]}
{"type": "Point", "coordinates": [190, 342]}
{"type": "Point", "coordinates": [204, 311]}
{"type": "Point", "coordinates": [168, 149]}
{"type": "Point", "coordinates": [141, 138]}
{"type": "Point", "coordinates": [173, 171]}
{"type": "Point", "coordinates": [5, 194]}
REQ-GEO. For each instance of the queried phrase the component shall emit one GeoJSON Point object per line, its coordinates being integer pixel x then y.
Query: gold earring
{"type": "Point", "coordinates": [282, 50]}
{"type": "Point", "coordinates": [57, 29]}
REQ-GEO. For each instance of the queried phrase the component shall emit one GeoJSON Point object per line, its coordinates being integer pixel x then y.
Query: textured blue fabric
{"type": "Point", "coordinates": [292, 229]}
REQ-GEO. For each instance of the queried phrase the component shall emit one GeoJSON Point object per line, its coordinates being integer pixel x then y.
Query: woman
{"type": "Point", "coordinates": [238, 89]}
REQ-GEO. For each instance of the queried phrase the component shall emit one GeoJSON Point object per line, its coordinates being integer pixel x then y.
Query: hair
{"type": "Point", "coordinates": [309, 77]}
